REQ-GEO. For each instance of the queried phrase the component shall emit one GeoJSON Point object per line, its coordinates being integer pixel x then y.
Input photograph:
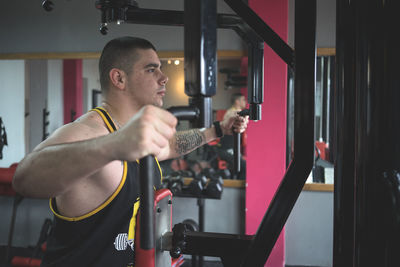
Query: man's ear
{"type": "Point", "coordinates": [118, 78]}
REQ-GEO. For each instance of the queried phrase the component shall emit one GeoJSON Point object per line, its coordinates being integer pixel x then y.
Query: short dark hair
{"type": "Point", "coordinates": [120, 53]}
{"type": "Point", "coordinates": [235, 97]}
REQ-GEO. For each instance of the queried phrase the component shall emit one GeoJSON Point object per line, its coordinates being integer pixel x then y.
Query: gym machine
{"type": "Point", "coordinates": [200, 19]}
{"type": "Point", "coordinates": [367, 125]}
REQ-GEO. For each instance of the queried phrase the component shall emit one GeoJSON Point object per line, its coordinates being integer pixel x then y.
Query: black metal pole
{"type": "Point", "coordinates": [200, 43]}
{"type": "Point", "coordinates": [279, 46]}
{"type": "Point", "coordinates": [377, 163]}
{"type": "Point", "coordinates": [255, 82]}
{"type": "Point", "coordinates": [236, 153]}
{"type": "Point", "coordinates": [17, 200]}
{"type": "Point", "coordinates": [331, 138]}
{"type": "Point", "coordinates": [301, 165]}
{"type": "Point", "coordinates": [344, 138]}
{"type": "Point", "coordinates": [201, 203]}
{"type": "Point", "coordinates": [324, 88]}
{"type": "Point", "coordinates": [146, 174]}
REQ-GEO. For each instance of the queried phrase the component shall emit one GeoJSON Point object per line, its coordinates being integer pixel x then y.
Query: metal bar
{"type": "Point", "coordinates": [172, 18]}
{"type": "Point", "coordinates": [331, 116]}
{"type": "Point", "coordinates": [289, 116]}
{"type": "Point", "coordinates": [318, 103]}
{"type": "Point", "coordinates": [17, 200]}
{"type": "Point", "coordinates": [200, 43]}
{"type": "Point", "coordinates": [236, 153]}
{"type": "Point", "coordinates": [272, 39]}
{"type": "Point", "coordinates": [324, 114]}
{"type": "Point", "coordinates": [185, 112]}
{"type": "Point", "coordinates": [204, 104]}
{"type": "Point", "coordinates": [146, 174]}
{"type": "Point", "coordinates": [154, 17]}
{"type": "Point", "coordinates": [215, 244]}
{"type": "Point", "coordinates": [377, 164]}
{"type": "Point", "coordinates": [343, 237]}
{"type": "Point", "coordinates": [202, 219]}
{"type": "Point", "coordinates": [301, 165]}
{"type": "Point", "coordinates": [255, 82]}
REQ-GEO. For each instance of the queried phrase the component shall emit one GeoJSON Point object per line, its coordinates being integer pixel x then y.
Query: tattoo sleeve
{"type": "Point", "coordinates": [186, 141]}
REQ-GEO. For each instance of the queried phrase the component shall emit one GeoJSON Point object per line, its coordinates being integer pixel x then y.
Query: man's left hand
{"type": "Point", "coordinates": [235, 122]}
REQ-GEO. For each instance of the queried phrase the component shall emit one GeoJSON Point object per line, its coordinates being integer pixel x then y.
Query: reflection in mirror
{"type": "Point", "coordinates": [36, 102]}
{"type": "Point", "coordinates": [323, 124]}
{"type": "Point", "coordinates": [214, 159]}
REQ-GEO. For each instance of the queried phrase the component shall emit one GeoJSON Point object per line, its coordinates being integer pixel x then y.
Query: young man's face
{"type": "Point", "coordinates": [241, 102]}
{"type": "Point", "coordinates": [146, 82]}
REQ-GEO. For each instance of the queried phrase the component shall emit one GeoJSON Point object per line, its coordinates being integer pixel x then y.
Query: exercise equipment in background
{"type": "Point", "coordinates": [3, 138]}
{"type": "Point", "coordinates": [25, 257]}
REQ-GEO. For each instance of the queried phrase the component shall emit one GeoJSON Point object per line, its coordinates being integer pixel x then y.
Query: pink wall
{"type": "Point", "coordinates": [73, 95]}
{"type": "Point", "coordinates": [266, 140]}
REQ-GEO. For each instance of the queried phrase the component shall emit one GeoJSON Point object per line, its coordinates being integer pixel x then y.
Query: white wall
{"type": "Point", "coordinates": [12, 91]}
{"type": "Point", "coordinates": [175, 86]}
{"type": "Point", "coordinates": [37, 84]}
{"type": "Point", "coordinates": [90, 74]}
{"type": "Point", "coordinates": [55, 94]}
{"type": "Point", "coordinates": [73, 26]}
{"type": "Point", "coordinates": [309, 230]}
{"type": "Point", "coordinates": [326, 23]}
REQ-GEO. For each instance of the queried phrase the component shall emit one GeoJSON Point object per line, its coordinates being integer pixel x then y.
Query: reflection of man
{"type": "Point", "coordinates": [225, 150]}
{"type": "Point", "coordinates": [238, 102]}
{"type": "Point", "coordinates": [89, 167]}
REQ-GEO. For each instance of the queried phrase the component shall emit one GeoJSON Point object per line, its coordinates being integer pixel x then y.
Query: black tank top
{"type": "Point", "coordinates": [104, 236]}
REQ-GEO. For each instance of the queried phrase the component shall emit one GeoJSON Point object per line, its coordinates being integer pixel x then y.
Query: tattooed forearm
{"type": "Point", "coordinates": [187, 141]}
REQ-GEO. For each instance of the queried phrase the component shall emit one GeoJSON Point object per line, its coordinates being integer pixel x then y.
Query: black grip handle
{"type": "Point", "coordinates": [237, 144]}
{"type": "Point", "coordinates": [236, 152]}
{"type": "Point", "coordinates": [146, 174]}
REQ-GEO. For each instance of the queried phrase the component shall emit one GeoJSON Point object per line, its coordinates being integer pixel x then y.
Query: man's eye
{"type": "Point", "coordinates": [151, 70]}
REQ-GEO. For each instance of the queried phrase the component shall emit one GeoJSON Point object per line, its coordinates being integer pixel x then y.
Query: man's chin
{"type": "Point", "coordinates": [159, 103]}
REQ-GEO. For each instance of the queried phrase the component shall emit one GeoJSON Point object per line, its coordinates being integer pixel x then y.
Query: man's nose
{"type": "Point", "coordinates": [164, 79]}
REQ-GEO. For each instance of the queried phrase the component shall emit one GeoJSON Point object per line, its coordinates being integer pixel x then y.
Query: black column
{"type": "Point", "coordinates": [344, 139]}
{"type": "Point", "coordinates": [301, 165]}
{"type": "Point", "coordinates": [200, 31]}
{"type": "Point", "coordinates": [377, 158]}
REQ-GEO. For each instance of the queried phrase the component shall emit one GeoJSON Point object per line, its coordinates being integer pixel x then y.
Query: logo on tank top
{"type": "Point", "coordinates": [121, 242]}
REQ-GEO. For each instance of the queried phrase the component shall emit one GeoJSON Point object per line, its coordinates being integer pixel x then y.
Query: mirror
{"type": "Point", "coordinates": [35, 102]}
{"type": "Point", "coordinates": [323, 121]}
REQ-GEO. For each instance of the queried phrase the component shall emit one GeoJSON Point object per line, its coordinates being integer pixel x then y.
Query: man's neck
{"type": "Point", "coordinates": [236, 108]}
{"type": "Point", "coordinates": [120, 113]}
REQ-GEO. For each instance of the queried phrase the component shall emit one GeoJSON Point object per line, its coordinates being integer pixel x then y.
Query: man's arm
{"type": "Point", "coordinates": [185, 142]}
{"type": "Point", "coordinates": [62, 160]}
{"type": "Point", "coordinates": [76, 152]}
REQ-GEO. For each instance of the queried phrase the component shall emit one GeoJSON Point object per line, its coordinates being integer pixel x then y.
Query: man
{"type": "Point", "coordinates": [89, 167]}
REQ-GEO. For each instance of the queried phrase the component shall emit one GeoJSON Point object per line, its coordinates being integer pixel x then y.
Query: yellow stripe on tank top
{"type": "Point", "coordinates": [132, 223]}
{"type": "Point", "coordinates": [99, 208]}
{"type": "Point", "coordinates": [110, 128]}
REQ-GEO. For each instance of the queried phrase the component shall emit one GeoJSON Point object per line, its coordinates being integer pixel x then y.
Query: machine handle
{"type": "Point", "coordinates": [146, 174]}
{"type": "Point", "coordinates": [237, 144]}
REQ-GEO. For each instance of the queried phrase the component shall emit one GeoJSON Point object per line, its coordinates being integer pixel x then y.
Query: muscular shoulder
{"type": "Point", "coordinates": [88, 126]}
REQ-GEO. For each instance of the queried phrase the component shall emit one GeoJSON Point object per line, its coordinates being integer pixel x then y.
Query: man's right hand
{"type": "Point", "coordinates": [147, 133]}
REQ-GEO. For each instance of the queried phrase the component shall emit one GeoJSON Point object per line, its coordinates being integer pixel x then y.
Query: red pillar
{"type": "Point", "coordinates": [73, 95]}
{"type": "Point", "coordinates": [266, 139]}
